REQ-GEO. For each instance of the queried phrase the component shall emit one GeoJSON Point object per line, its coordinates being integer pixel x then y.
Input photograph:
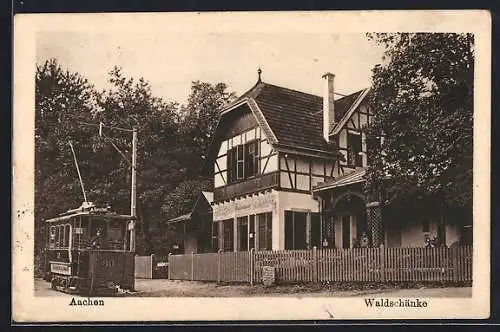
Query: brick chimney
{"type": "Point", "coordinates": [328, 105]}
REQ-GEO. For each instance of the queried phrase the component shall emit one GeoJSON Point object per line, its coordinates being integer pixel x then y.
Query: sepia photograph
{"type": "Point", "coordinates": [200, 166]}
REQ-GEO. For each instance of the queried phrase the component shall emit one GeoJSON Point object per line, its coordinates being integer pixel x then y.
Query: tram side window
{"type": "Point", "coordinates": [66, 236]}
{"type": "Point", "coordinates": [52, 237]}
{"type": "Point", "coordinates": [58, 236]}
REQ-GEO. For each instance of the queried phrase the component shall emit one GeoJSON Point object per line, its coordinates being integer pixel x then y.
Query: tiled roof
{"type": "Point", "coordinates": [296, 117]}
{"type": "Point", "coordinates": [208, 195]}
{"type": "Point", "coordinates": [350, 178]}
{"type": "Point", "coordinates": [293, 118]}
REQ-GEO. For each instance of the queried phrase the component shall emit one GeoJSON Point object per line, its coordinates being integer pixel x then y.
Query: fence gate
{"type": "Point", "coordinates": [144, 267]}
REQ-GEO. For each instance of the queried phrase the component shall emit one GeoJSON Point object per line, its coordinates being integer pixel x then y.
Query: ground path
{"type": "Point", "coordinates": [174, 288]}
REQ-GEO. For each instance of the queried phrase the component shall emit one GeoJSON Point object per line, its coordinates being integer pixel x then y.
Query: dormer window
{"type": "Point", "coordinates": [243, 161]}
{"type": "Point", "coordinates": [354, 149]}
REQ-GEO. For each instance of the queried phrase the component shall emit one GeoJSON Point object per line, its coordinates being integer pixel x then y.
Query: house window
{"type": "Point", "coordinates": [232, 165]}
{"type": "Point", "coordinates": [354, 157]}
{"type": "Point", "coordinates": [315, 230]}
{"type": "Point", "coordinates": [425, 226]}
{"type": "Point", "coordinates": [228, 229]}
{"type": "Point", "coordinates": [295, 230]}
{"type": "Point", "coordinates": [346, 231]}
{"type": "Point", "coordinates": [242, 233]}
{"type": "Point", "coordinates": [251, 158]}
{"type": "Point", "coordinates": [328, 239]}
{"type": "Point", "coordinates": [251, 232]}
{"type": "Point", "coordinates": [466, 235]}
{"type": "Point", "coordinates": [215, 236]}
{"type": "Point", "coordinates": [243, 161]}
{"type": "Point", "coordinates": [240, 162]}
{"type": "Point", "coordinates": [265, 228]}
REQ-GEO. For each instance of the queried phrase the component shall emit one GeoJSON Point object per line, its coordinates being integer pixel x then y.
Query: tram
{"type": "Point", "coordinates": [89, 251]}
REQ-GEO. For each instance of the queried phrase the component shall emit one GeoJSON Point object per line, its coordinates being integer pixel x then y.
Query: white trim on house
{"type": "Point", "coordinates": [233, 106]}
{"type": "Point", "coordinates": [336, 129]}
{"type": "Point", "coordinates": [264, 126]}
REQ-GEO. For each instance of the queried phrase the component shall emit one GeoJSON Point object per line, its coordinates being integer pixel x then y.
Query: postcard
{"type": "Point", "coordinates": [257, 166]}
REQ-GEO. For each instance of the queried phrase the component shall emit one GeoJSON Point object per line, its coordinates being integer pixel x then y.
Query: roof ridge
{"type": "Point", "coordinates": [311, 94]}
{"type": "Point", "coordinates": [257, 86]}
{"type": "Point", "coordinates": [292, 90]}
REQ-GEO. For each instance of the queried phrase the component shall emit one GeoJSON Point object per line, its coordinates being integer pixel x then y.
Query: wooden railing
{"type": "Point", "coordinates": [322, 265]}
{"type": "Point", "coordinates": [247, 186]}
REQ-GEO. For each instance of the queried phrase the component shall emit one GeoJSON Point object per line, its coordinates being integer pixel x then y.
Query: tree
{"type": "Point", "coordinates": [199, 118]}
{"type": "Point", "coordinates": [170, 147]}
{"type": "Point", "coordinates": [62, 99]}
{"type": "Point", "coordinates": [422, 96]}
{"type": "Point", "coordinates": [160, 161]}
{"type": "Point", "coordinates": [201, 114]}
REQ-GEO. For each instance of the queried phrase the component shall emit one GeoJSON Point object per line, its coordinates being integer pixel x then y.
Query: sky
{"type": "Point", "coordinates": [170, 60]}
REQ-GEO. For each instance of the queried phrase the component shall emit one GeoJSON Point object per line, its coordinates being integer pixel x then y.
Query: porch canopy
{"type": "Point", "coordinates": [356, 176]}
{"type": "Point", "coordinates": [184, 217]}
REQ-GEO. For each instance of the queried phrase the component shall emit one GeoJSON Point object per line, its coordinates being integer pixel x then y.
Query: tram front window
{"type": "Point", "coordinates": [98, 234]}
{"type": "Point", "coordinates": [115, 235]}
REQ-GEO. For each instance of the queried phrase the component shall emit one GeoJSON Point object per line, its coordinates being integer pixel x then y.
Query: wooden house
{"type": "Point", "coordinates": [288, 170]}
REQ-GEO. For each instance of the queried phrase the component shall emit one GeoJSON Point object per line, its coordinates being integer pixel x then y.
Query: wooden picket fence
{"type": "Point", "coordinates": [323, 265]}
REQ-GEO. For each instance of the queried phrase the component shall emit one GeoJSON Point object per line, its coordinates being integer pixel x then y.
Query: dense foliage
{"type": "Point", "coordinates": [422, 95]}
{"type": "Point", "coordinates": [171, 141]}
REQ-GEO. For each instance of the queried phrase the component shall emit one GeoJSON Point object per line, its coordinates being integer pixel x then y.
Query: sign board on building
{"type": "Point", "coordinates": [245, 206]}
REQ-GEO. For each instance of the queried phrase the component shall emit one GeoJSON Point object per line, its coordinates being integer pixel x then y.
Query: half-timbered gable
{"type": "Point", "coordinates": [348, 133]}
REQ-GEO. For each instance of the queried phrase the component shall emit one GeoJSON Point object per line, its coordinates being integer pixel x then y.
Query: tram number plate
{"type": "Point", "coordinates": [60, 268]}
{"type": "Point", "coordinates": [108, 262]}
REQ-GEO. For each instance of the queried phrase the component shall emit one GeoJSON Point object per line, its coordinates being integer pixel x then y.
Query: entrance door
{"type": "Point", "coordinates": [346, 231]}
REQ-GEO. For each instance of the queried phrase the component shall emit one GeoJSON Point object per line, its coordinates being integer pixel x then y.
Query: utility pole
{"type": "Point", "coordinates": [133, 192]}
